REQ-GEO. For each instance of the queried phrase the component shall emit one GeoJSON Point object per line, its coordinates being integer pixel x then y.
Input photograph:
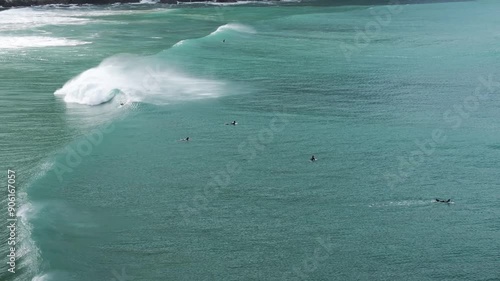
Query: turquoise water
{"type": "Point", "coordinates": [108, 192]}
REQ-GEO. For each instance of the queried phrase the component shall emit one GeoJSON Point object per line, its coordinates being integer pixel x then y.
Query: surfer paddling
{"type": "Point", "coordinates": [443, 201]}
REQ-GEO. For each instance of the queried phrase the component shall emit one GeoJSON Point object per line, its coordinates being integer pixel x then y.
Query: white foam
{"type": "Point", "coordinates": [400, 203]}
{"type": "Point", "coordinates": [235, 27]}
{"type": "Point", "coordinates": [150, 2]}
{"type": "Point", "coordinates": [231, 3]}
{"type": "Point", "coordinates": [26, 18]}
{"type": "Point", "coordinates": [138, 80]}
{"type": "Point", "coordinates": [25, 212]}
{"type": "Point", "coordinates": [19, 42]}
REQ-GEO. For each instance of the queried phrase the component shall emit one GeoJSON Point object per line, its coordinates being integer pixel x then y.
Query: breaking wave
{"type": "Point", "coordinates": [137, 79]}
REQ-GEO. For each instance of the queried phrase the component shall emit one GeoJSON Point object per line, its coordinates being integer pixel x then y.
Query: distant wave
{"type": "Point", "coordinates": [234, 27]}
{"type": "Point", "coordinates": [35, 17]}
{"type": "Point", "coordinates": [150, 2]}
{"type": "Point", "coordinates": [233, 3]}
{"type": "Point", "coordinates": [137, 79]}
{"type": "Point", "coordinates": [27, 18]}
{"type": "Point", "coordinates": [19, 42]}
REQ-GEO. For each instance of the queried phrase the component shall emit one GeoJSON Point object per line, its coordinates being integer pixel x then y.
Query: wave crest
{"type": "Point", "coordinates": [241, 28]}
{"type": "Point", "coordinates": [138, 80]}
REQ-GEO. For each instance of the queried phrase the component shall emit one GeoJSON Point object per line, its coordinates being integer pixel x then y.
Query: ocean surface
{"type": "Point", "coordinates": [399, 104]}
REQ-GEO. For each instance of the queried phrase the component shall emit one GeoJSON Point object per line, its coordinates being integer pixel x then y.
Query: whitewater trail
{"type": "Point", "coordinates": [19, 42]}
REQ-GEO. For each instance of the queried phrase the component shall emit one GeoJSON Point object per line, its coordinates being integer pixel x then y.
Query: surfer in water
{"type": "Point", "coordinates": [234, 123]}
{"type": "Point", "coordinates": [313, 158]}
{"type": "Point", "coordinates": [443, 201]}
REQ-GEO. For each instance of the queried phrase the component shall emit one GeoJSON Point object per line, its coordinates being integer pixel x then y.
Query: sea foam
{"type": "Point", "coordinates": [137, 79]}
{"type": "Point", "coordinates": [27, 18]}
{"type": "Point", "coordinates": [20, 42]}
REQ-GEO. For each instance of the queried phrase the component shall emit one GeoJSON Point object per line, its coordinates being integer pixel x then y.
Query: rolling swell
{"type": "Point", "coordinates": [152, 79]}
